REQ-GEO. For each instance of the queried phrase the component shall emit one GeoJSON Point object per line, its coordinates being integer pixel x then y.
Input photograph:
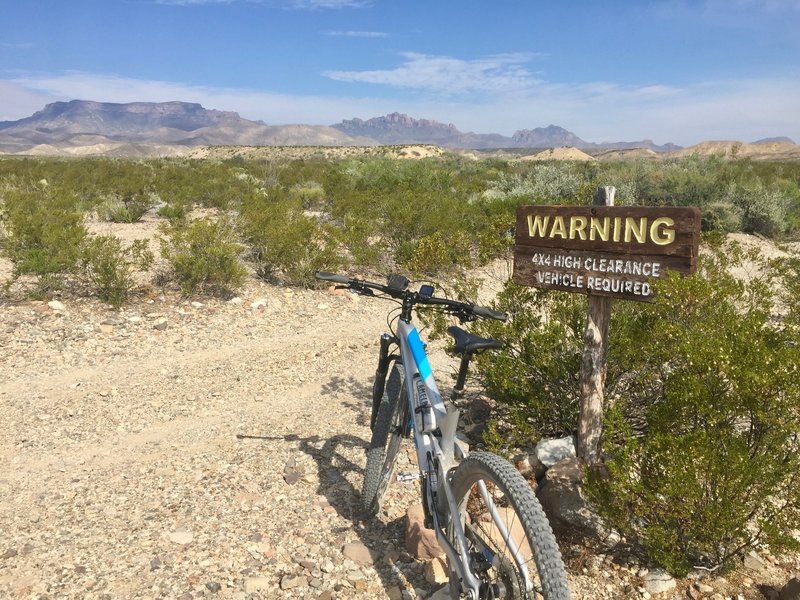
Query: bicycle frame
{"type": "Point", "coordinates": [436, 445]}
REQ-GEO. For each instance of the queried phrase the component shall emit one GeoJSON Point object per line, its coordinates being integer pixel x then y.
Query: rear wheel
{"type": "Point", "coordinates": [512, 550]}
{"type": "Point", "coordinates": [391, 425]}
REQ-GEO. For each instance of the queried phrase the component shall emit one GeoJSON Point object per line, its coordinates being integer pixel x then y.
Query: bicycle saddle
{"type": "Point", "coordinates": [467, 342]}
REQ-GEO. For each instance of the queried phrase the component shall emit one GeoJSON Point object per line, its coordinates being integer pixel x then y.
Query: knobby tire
{"type": "Point", "coordinates": [391, 423]}
{"type": "Point", "coordinates": [490, 557]}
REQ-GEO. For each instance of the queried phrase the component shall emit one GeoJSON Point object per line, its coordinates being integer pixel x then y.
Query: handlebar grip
{"type": "Point", "coordinates": [488, 313]}
{"type": "Point", "coordinates": [332, 277]}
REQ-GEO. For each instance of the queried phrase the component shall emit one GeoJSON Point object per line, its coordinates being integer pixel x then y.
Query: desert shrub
{"type": "Point", "coordinates": [43, 234]}
{"type": "Point", "coordinates": [536, 374]}
{"type": "Point", "coordinates": [126, 208]}
{"type": "Point", "coordinates": [204, 256]}
{"type": "Point", "coordinates": [763, 208]}
{"type": "Point", "coordinates": [721, 216]}
{"type": "Point", "coordinates": [310, 193]}
{"type": "Point", "coordinates": [357, 235]}
{"type": "Point", "coordinates": [173, 212]}
{"type": "Point", "coordinates": [436, 253]}
{"type": "Point", "coordinates": [109, 266]}
{"type": "Point", "coordinates": [285, 243]}
{"type": "Point", "coordinates": [544, 183]}
{"type": "Point", "coordinates": [701, 448]}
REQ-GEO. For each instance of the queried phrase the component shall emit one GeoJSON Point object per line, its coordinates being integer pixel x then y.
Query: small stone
{"type": "Point", "coordinates": [259, 304]}
{"type": "Point", "coordinates": [104, 328]}
{"type": "Point", "coordinates": [155, 564]}
{"type": "Point", "coordinates": [753, 561]}
{"type": "Point", "coordinates": [161, 324]}
{"type": "Point", "coordinates": [10, 553]}
{"type": "Point", "coordinates": [289, 582]}
{"type": "Point", "coordinates": [181, 537]}
{"type": "Point", "coordinates": [292, 471]}
{"type": "Point", "coordinates": [56, 305]}
{"type": "Point", "coordinates": [550, 452]}
{"type": "Point", "coordinates": [435, 571]}
{"type": "Point", "coordinates": [327, 567]}
{"type": "Point", "coordinates": [213, 586]}
{"type": "Point", "coordinates": [659, 581]}
{"type": "Point", "coordinates": [394, 593]}
{"type": "Point", "coordinates": [359, 553]}
{"type": "Point", "coordinates": [254, 584]}
{"type": "Point", "coordinates": [196, 304]}
{"type": "Point", "coordinates": [420, 541]}
{"type": "Point", "coordinates": [443, 593]}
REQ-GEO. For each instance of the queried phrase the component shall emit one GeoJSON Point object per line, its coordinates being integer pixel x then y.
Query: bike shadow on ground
{"type": "Point", "coordinates": [338, 476]}
{"type": "Point", "coordinates": [345, 390]}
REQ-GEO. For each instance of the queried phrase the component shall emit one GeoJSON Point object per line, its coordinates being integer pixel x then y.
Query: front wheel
{"type": "Point", "coordinates": [391, 425]}
{"type": "Point", "coordinates": [512, 550]}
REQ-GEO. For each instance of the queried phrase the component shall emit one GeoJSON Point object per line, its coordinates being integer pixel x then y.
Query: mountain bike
{"type": "Point", "coordinates": [493, 531]}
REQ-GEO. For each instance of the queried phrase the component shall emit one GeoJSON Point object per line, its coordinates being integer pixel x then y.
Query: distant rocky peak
{"type": "Point", "coordinates": [393, 121]}
{"type": "Point", "coordinates": [544, 137]}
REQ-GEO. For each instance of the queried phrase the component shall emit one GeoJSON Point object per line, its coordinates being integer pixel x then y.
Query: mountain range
{"type": "Point", "coordinates": [81, 127]}
{"type": "Point", "coordinates": [86, 127]}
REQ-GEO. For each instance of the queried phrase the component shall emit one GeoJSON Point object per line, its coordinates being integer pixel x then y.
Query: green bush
{"type": "Point", "coordinates": [701, 448]}
{"type": "Point", "coordinates": [286, 243]}
{"type": "Point", "coordinates": [109, 266]}
{"type": "Point", "coordinates": [536, 374]}
{"type": "Point", "coordinates": [721, 216]}
{"type": "Point", "coordinates": [43, 234]}
{"type": "Point", "coordinates": [173, 212]}
{"type": "Point", "coordinates": [204, 256]}
{"type": "Point", "coordinates": [125, 208]}
{"type": "Point", "coordinates": [763, 208]}
{"type": "Point", "coordinates": [310, 193]}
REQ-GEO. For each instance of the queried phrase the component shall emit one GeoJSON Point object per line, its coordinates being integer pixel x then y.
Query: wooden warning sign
{"type": "Point", "coordinates": [611, 251]}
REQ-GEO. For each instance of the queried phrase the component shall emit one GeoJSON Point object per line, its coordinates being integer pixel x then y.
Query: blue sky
{"type": "Point", "coordinates": [679, 71]}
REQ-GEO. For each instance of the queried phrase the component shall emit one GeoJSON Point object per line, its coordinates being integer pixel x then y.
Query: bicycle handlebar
{"type": "Point", "coordinates": [462, 309]}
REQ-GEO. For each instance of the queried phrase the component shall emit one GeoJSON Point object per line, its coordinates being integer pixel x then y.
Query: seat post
{"type": "Point", "coordinates": [458, 389]}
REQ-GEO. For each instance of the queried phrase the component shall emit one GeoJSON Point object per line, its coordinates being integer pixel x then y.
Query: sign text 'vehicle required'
{"type": "Point", "coordinates": [606, 250]}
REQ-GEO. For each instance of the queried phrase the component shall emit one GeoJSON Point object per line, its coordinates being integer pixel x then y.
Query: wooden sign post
{"type": "Point", "coordinates": [606, 252]}
{"type": "Point", "coordinates": [593, 362]}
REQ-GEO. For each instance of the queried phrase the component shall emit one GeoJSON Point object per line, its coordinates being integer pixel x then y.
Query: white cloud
{"type": "Point", "coordinates": [449, 76]}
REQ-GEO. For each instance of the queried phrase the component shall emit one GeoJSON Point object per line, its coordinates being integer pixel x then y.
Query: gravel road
{"type": "Point", "coordinates": [208, 449]}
